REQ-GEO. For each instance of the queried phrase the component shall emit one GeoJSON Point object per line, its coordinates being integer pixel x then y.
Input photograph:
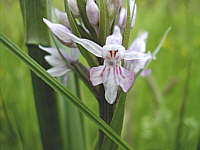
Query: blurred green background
{"type": "Point", "coordinates": [160, 110]}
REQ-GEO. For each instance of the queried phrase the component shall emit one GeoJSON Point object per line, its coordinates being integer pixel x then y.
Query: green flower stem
{"type": "Point", "coordinates": [37, 69]}
{"type": "Point", "coordinates": [106, 113]}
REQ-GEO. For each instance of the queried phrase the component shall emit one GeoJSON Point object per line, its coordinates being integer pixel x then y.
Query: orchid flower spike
{"type": "Point", "coordinates": [59, 67]}
{"type": "Point", "coordinates": [111, 73]}
{"type": "Point", "coordinates": [139, 45]}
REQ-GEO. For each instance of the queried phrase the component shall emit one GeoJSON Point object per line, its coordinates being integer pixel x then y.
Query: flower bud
{"type": "Point", "coordinates": [123, 15]}
{"type": "Point", "coordinates": [122, 18]}
{"type": "Point", "coordinates": [133, 13]}
{"type": "Point", "coordinates": [73, 7]}
{"type": "Point", "coordinates": [62, 17]}
{"type": "Point", "coordinates": [114, 6]}
{"type": "Point", "coordinates": [93, 12]}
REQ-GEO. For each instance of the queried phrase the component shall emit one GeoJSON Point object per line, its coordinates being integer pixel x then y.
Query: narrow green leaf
{"type": "Point", "coordinates": [37, 69]}
{"type": "Point", "coordinates": [103, 23]}
{"type": "Point", "coordinates": [116, 123]}
{"type": "Point", "coordinates": [83, 14]}
{"type": "Point", "coordinates": [92, 60]}
{"type": "Point", "coordinates": [126, 34]}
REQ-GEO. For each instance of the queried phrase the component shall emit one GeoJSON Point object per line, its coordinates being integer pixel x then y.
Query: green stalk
{"type": "Point", "coordinates": [45, 98]}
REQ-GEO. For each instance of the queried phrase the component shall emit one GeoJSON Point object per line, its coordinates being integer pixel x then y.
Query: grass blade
{"type": "Point", "coordinates": [37, 69]}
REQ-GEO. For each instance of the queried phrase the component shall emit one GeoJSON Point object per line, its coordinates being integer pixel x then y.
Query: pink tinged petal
{"type": "Point", "coordinates": [126, 78]}
{"type": "Point", "coordinates": [139, 44]}
{"type": "Point", "coordinates": [62, 17]}
{"type": "Point", "coordinates": [61, 32]}
{"type": "Point", "coordinates": [73, 7]}
{"type": "Point", "coordinates": [96, 75]}
{"type": "Point", "coordinates": [110, 85]}
{"type": "Point", "coordinates": [115, 38]}
{"type": "Point", "coordinates": [93, 12]}
{"type": "Point", "coordinates": [122, 18]}
{"type": "Point", "coordinates": [146, 73]}
{"type": "Point", "coordinates": [74, 54]}
{"type": "Point", "coordinates": [57, 71]}
{"type": "Point", "coordinates": [134, 16]}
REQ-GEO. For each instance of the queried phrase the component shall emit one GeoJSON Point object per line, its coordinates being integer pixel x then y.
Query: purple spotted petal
{"type": "Point", "coordinates": [96, 75]}
{"type": "Point", "coordinates": [125, 77]}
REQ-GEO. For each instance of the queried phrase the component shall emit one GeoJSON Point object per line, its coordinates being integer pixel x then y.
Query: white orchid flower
{"type": "Point", "coordinates": [59, 67]}
{"type": "Point", "coordinates": [111, 73]}
{"type": "Point", "coordinates": [139, 45]}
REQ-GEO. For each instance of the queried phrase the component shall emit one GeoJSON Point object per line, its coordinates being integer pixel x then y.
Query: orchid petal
{"type": "Point", "coordinates": [139, 44]}
{"type": "Point", "coordinates": [75, 54]}
{"type": "Point", "coordinates": [110, 85]}
{"type": "Point", "coordinates": [57, 71]}
{"type": "Point", "coordinates": [131, 55]}
{"type": "Point", "coordinates": [137, 65]}
{"type": "Point", "coordinates": [50, 50]}
{"type": "Point", "coordinates": [91, 46]}
{"type": "Point", "coordinates": [122, 18]}
{"type": "Point", "coordinates": [55, 61]}
{"type": "Point", "coordinates": [62, 17]}
{"type": "Point", "coordinates": [134, 13]}
{"type": "Point", "coordinates": [146, 72]}
{"type": "Point", "coordinates": [115, 38]}
{"type": "Point", "coordinates": [125, 78]}
{"type": "Point", "coordinates": [96, 75]}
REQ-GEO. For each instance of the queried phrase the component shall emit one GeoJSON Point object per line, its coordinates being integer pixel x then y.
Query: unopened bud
{"type": "Point", "coordinates": [123, 15]}
{"type": "Point", "coordinates": [74, 7]}
{"type": "Point", "coordinates": [114, 6]}
{"type": "Point", "coordinates": [133, 12]}
{"type": "Point", "coordinates": [122, 18]}
{"type": "Point", "coordinates": [62, 17]}
{"type": "Point", "coordinates": [115, 38]}
{"type": "Point", "coordinates": [92, 11]}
